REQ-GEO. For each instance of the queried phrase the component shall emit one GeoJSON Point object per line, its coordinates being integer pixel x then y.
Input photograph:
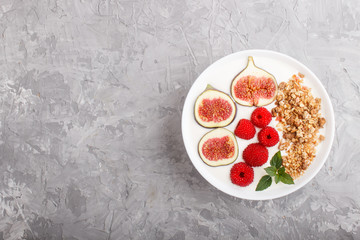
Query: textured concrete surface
{"type": "Point", "coordinates": [91, 94]}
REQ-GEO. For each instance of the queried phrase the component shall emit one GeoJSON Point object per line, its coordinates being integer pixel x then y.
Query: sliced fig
{"type": "Point", "coordinates": [214, 108]}
{"type": "Point", "coordinates": [254, 86]}
{"type": "Point", "coordinates": [218, 147]}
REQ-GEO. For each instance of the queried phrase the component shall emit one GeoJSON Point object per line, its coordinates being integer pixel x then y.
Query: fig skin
{"type": "Point", "coordinates": [210, 88]}
{"type": "Point", "coordinates": [236, 148]}
{"type": "Point", "coordinates": [258, 72]}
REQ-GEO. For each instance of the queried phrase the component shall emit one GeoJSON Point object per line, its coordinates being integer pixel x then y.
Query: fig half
{"type": "Point", "coordinates": [214, 108]}
{"type": "Point", "coordinates": [218, 147]}
{"type": "Point", "coordinates": [254, 86]}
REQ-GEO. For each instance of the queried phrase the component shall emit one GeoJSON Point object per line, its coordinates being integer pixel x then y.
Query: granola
{"type": "Point", "coordinates": [298, 113]}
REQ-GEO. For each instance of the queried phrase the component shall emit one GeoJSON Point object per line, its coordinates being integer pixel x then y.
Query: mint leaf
{"type": "Point", "coordinates": [276, 160]}
{"type": "Point", "coordinates": [264, 183]}
{"type": "Point", "coordinates": [271, 171]}
{"type": "Point", "coordinates": [281, 170]}
{"type": "Point", "coordinates": [277, 178]}
{"type": "Point", "coordinates": [286, 178]}
{"type": "Point", "coordinates": [275, 170]}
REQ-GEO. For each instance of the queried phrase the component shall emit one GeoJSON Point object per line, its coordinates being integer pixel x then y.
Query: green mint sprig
{"type": "Point", "coordinates": [275, 170]}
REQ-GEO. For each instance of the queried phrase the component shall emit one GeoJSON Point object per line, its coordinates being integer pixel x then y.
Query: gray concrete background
{"type": "Point", "coordinates": [91, 94]}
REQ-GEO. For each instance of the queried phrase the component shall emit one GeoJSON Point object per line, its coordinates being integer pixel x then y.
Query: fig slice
{"type": "Point", "coordinates": [218, 147]}
{"type": "Point", "coordinates": [254, 86]}
{"type": "Point", "coordinates": [214, 108]}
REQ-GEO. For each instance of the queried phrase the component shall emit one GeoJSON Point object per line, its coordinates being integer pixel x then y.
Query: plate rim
{"type": "Point", "coordinates": [331, 116]}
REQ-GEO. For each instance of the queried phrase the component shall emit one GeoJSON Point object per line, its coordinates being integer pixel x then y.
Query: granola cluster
{"type": "Point", "coordinates": [300, 120]}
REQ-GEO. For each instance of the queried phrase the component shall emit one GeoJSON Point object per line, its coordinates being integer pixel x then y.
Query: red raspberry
{"type": "Point", "coordinates": [268, 137]}
{"type": "Point", "coordinates": [261, 117]}
{"type": "Point", "coordinates": [255, 155]}
{"type": "Point", "coordinates": [245, 129]}
{"type": "Point", "coordinates": [241, 174]}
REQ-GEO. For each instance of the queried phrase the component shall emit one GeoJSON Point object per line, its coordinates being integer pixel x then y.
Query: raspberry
{"type": "Point", "coordinates": [245, 129]}
{"type": "Point", "coordinates": [255, 155]}
{"type": "Point", "coordinates": [261, 117]}
{"type": "Point", "coordinates": [268, 136]}
{"type": "Point", "coordinates": [241, 174]}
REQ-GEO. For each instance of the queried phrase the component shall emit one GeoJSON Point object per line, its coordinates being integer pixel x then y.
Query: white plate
{"type": "Point", "coordinates": [219, 75]}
